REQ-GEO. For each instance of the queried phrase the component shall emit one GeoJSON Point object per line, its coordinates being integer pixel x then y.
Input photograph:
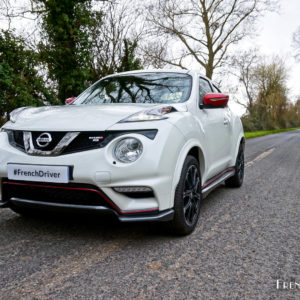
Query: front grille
{"type": "Point", "coordinates": [56, 138]}
{"type": "Point", "coordinates": [86, 140]}
{"type": "Point", "coordinates": [15, 138]}
{"type": "Point", "coordinates": [74, 194]}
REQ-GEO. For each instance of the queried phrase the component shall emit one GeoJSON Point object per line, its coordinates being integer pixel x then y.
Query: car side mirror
{"type": "Point", "coordinates": [215, 99]}
{"type": "Point", "coordinates": [69, 100]}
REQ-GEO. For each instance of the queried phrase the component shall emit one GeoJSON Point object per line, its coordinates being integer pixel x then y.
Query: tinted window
{"type": "Point", "coordinates": [204, 88]}
{"type": "Point", "coordinates": [139, 88]}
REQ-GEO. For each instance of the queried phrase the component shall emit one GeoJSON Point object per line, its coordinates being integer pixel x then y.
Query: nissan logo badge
{"type": "Point", "coordinates": [44, 140]}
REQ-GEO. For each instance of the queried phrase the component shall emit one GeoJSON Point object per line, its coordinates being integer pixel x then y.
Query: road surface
{"type": "Point", "coordinates": [245, 241]}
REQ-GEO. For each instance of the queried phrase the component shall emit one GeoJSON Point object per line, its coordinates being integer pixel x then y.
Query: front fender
{"type": "Point", "coordinates": [190, 144]}
{"type": "Point", "coordinates": [238, 136]}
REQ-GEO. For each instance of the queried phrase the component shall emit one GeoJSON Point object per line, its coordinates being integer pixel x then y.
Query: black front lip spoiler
{"type": "Point", "coordinates": [163, 216]}
{"type": "Point", "coordinates": [166, 215]}
{"type": "Point", "coordinates": [3, 204]}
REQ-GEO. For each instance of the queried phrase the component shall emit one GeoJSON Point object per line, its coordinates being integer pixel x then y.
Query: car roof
{"type": "Point", "coordinates": [182, 71]}
{"type": "Point", "coordinates": [191, 72]}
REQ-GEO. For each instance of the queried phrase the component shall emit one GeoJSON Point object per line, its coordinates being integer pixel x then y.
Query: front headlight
{"type": "Point", "coordinates": [128, 150]}
{"type": "Point", "coordinates": [154, 114]}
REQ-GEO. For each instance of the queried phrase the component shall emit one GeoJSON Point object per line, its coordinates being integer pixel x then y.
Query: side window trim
{"type": "Point", "coordinates": [210, 86]}
{"type": "Point", "coordinates": [214, 86]}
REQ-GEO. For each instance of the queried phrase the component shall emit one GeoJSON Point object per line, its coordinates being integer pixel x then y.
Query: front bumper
{"type": "Point", "coordinates": [154, 169]}
{"type": "Point", "coordinates": [71, 198]}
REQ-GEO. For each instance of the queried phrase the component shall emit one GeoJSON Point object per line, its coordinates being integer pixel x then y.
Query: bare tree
{"type": "Point", "coordinates": [268, 104]}
{"type": "Point", "coordinates": [204, 30]}
{"type": "Point", "coordinates": [25, 9]}
{"type": "Point", "coordinates": [244, 65]}
{"type": "Point", "coordinates": [24, 17]}
{"type": "Point", "coordinates": [153, 53]}
{"type": "Point", "coordinates": [296, 43]}
{"type": "Point", "coordinates": [115, 37]}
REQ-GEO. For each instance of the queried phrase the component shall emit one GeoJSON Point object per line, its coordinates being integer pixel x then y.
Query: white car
{"type": "Point", "coordinates": [143, 145]}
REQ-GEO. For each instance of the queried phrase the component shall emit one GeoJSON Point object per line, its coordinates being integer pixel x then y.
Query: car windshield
{"type": "Point", "coordinates": [139, 88]}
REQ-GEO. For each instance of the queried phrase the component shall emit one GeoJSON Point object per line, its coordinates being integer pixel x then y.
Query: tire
{"type": "Point", "coordinates": [237, 179]}
{"type": "Point", "coordinates": [187, 198]}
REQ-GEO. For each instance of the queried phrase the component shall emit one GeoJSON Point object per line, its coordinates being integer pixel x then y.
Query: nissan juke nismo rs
{"type": "Point", "coordinates": [143, 145]}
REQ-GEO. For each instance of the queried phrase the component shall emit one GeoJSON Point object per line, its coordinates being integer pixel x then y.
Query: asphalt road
{"type": "Point", "coordinates": [245, 240]}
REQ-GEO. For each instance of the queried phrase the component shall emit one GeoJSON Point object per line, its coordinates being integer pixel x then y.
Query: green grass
{"type": "Point", "coordinates": [249, 135]}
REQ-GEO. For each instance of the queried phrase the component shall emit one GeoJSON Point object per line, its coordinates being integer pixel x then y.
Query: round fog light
{"type": "Point", "coordinates": [128, 150]}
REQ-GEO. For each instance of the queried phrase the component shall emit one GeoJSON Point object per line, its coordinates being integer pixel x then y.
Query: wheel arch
{"type": "Point", "coordinates": [197, 152]}
{"type": "Point", "coordinates": [194, 149]}
{"type": "Point", "coordinates": [241, 141]}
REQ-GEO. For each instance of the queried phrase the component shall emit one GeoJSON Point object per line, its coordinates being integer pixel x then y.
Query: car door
{"type": "Point", "coordinates": [216, 123]}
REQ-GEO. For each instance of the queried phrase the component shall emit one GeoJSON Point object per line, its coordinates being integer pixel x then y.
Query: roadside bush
{"type": "Point", "coordinates": [20, 83]}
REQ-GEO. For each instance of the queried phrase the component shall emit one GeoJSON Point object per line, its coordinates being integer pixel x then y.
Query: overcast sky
{"type": "Point", "coordinates": [275, 35]}
{"type": "Point", "coordinates": [275, 32]}
{"type": "Point", "coordinates": [276, 38]}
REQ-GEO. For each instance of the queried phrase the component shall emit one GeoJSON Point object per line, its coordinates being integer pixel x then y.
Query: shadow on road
{"type": "Point", "coordinates": [81, 225]}
{"type": "Point", "coordinates": [93, 226]}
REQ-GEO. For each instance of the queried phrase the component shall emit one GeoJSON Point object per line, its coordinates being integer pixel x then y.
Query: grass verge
{"type": "Point", "coordinates": [253, 134]}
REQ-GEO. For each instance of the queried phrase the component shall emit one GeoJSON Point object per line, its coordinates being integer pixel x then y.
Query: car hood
{"type": "Point", "coordinates": [74, 117]}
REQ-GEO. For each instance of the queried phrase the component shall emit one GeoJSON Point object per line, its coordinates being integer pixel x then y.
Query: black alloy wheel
{"type": "Point", "coordinates": [237, 179]}
{"type": "Point", "coordinates": [191, 195]}
{"type": "Point", "coordinates": [240, 165]}
{"type": "Point", "coordinates": [187, 198]}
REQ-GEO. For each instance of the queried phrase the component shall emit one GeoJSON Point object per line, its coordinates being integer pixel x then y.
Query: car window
{"type": "Point", "coordinates": [139, 88]}
{"type": "Point", "coordinates": [204, 88]}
